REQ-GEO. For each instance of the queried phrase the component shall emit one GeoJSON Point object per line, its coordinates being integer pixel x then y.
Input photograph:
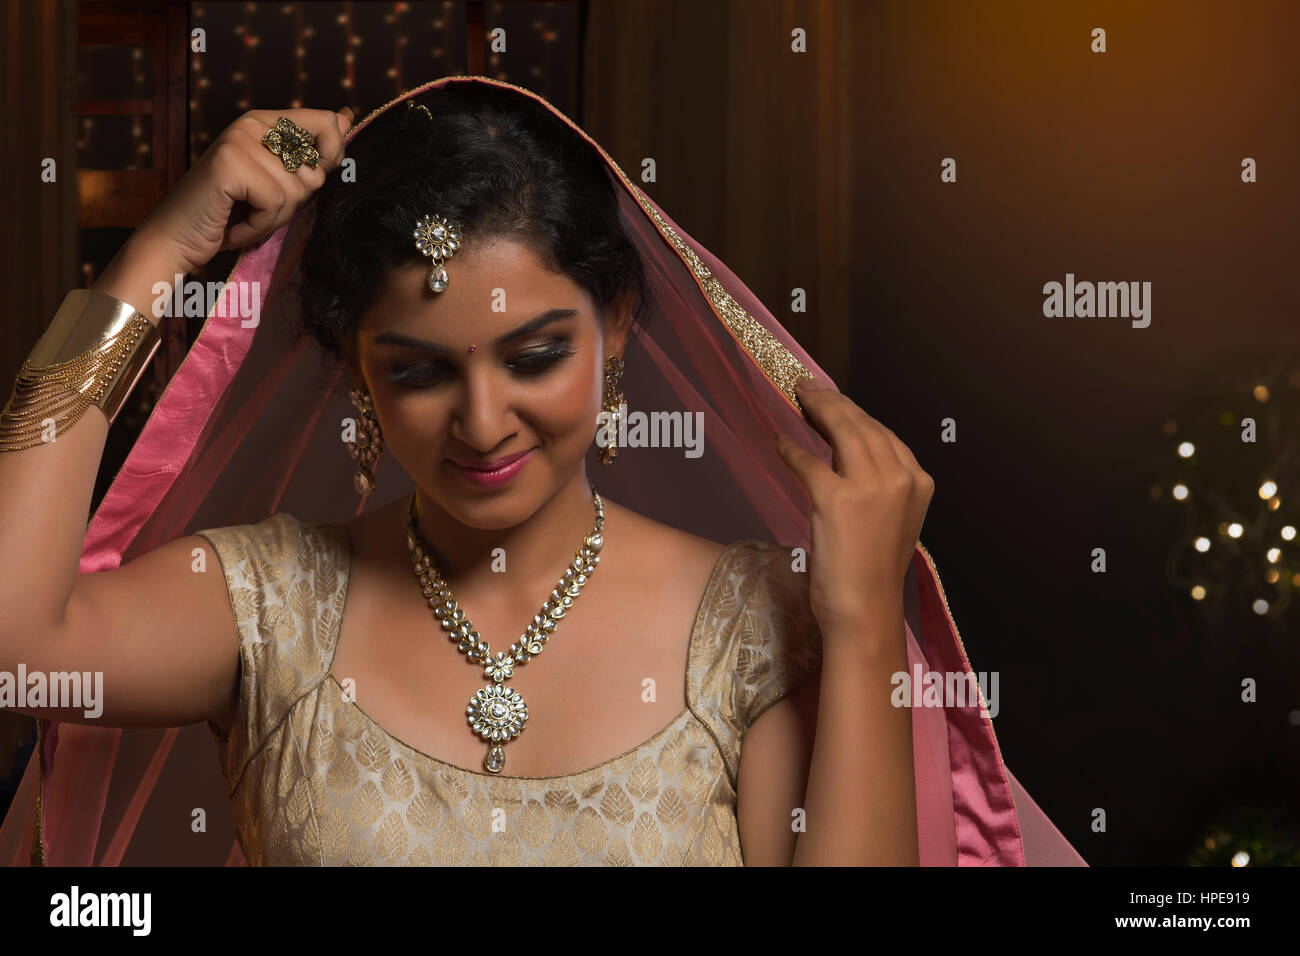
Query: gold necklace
{"type": "Point", "coordinates": [497, 712]}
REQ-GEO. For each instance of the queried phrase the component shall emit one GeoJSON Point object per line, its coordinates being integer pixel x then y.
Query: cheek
{"type": "Point", "coordinates": [414, 423]}
{"type": "Point", "coordinates": [568, 403]}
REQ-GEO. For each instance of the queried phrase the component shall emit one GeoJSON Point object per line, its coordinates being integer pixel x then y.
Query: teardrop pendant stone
{"type": "Point", "coordinates": [438, 279]}
{"type": "Point", "coordinates": [496, 759]}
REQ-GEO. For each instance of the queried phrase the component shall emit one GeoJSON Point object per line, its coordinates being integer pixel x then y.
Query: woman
{"type": "Point", "coordinates": [487, 286]}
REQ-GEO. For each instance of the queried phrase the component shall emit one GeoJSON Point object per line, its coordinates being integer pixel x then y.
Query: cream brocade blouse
{"type": "Point", "coordinates": [312, 780]}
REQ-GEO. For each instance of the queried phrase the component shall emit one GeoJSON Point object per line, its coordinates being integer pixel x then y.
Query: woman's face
{"type": "Point", "coordinates": [532, 384]}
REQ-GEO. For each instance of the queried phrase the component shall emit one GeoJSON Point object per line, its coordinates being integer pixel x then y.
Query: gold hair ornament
{"type": "Point", "coordinates": [438, 239]}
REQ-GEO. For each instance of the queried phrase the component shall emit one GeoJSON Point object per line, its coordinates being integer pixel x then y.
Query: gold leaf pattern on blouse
{"type": "Point", "coordinates": [534, 824]}
{"type": "Point", "coordinates": [398, 783]}
{"type": "Point", "coordinates": [670, 810]}
{"type": "Point", "coordinates": [643, 784]}
{"type": "Point", "coordinates": [367, 804]}
{"type": "Point", "coordinates": [244, 602]}
{"type": "Point", "coordinates": [313, 780]}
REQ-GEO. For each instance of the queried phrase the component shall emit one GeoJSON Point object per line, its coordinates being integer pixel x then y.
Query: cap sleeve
{"type": "Point", "coordinates": [287, 583]}
{"type": "Point", "coordinates": [758, 638]}
{"type": "Point", "coordinates": [776, 639]}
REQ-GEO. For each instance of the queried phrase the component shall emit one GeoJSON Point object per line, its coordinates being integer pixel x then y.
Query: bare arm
{"type": "Point", "coordinates": [45, 505]}
{"type": "Point", "coordinates": [838, 749]}
{"type": "Point", "coordinates": [160, 630]}
{"type": "Point", "coordinates": [161, 634]}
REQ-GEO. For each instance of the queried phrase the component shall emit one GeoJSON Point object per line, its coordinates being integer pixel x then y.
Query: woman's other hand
{"type": "Point", "coordinates": [867, 510]}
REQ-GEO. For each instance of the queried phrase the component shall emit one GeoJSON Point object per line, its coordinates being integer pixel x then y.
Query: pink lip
{"type": "Point", "coordinates": [505, 469]}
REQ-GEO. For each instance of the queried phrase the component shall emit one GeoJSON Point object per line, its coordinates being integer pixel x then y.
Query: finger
{"type": "Point", "coordinates": [827, 410]}
{"type": "Point", "coordinates": [904, 454]}
{"type": "Point", "coordinates": [346, 119]}
{"type": "Point", "coordinates": [322, 124]}
{"type": "Point", "coordinates": [297, 185]}
{"type": "Point", "coordinates": [807, 467]}
{"type": "Point", "coordinates": [885, 448]}
{"type": "Point", "coordinates": [265, 193]}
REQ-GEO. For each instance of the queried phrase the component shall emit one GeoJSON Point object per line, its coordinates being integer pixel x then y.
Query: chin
{"type": "Point", "coordinates": [487, 509]}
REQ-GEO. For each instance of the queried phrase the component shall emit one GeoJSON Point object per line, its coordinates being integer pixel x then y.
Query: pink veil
{"type": "Point", "coordinates": [249, 426]}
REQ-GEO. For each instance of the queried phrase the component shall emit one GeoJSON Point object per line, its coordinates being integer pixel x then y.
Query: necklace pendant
{"type": "Point", "coordinates": [497, 713]}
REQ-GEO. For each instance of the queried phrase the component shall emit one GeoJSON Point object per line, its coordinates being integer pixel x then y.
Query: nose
{"type": "Point", "coordinates": [482, 419]}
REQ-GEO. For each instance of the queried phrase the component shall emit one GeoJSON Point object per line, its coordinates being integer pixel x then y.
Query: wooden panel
{"type": "Point", "coordinates": [751, 141]}
{"type": "Point", "coordinates": [475, 38]}
{"type": "Point", "coordinates": [38, 238]}
{"type": "Point", "coordinates": [115, 108]}
{"type": "Point", "coordinates": [118, 197]}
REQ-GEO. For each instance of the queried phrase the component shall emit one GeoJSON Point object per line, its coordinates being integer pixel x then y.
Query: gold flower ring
{"type": "Point", "coordinates": [293, 144]}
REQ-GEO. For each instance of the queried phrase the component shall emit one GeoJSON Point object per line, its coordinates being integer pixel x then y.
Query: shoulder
{"type": "Point", "coordinates": [665, 551]}
{"type": "Point", "coordinates": [277, 538]}
{"type": "Point", "coordinates": [755, 641]}
{"type": "Point", "coordinates": [756, 592]}
{"type": "Point", "coordinates": [757, 627]}
{"type": "Point", "coordinates": [287, 581]}
{"type": "Point", "coordinates": [273, 548]}
{"type": "Point", "coordinates": [772, 632]}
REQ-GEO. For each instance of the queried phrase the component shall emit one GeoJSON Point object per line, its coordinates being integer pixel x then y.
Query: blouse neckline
{"type": "Point", "coordinates": [345, 565]}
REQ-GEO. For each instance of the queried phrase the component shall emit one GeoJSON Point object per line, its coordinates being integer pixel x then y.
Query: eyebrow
{"type": "Point", "coordinates": [532, 325]}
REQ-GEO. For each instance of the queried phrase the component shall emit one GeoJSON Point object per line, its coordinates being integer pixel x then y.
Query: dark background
{"type": "Point", "coordinates": [821, 171]}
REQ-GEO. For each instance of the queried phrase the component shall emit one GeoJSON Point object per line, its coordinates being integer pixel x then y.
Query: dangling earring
{"type": "Point", "coordinates": [611, 405]}
{"type": "Point", "coordinates": [369, 442]}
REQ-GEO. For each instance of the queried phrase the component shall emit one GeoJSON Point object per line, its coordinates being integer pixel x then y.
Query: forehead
{"type": "Point", "coordinates": [494, 285]}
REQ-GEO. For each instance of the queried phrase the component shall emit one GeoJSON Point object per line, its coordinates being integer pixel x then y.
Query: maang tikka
{"type": "Point", "coordinates": [438, 239]}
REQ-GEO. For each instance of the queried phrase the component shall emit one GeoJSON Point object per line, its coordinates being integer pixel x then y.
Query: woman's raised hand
{"type": "Point", "coordinates": [194, 220]}
{"type": "Point", "coordinates": [204, 212]}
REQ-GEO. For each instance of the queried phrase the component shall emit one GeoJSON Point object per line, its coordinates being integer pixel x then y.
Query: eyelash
{"type": "Point", "coordinates": [528, 364]}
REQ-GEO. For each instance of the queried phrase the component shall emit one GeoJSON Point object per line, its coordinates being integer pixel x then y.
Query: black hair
{"type": "Point", "coordinates": [498, 161]}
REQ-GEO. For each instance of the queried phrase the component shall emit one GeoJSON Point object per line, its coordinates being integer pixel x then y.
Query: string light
{"type": "Point", "coordinates": [250, 41]}
{"type": "Point", "coordinates": [345, 19]}
{"type": "Point", "coordinates": [198, 132]}
{"type": "Point", "coordinates": [395, 18]}
{"type": "Point", "coordinates": [137, 125]}
{"type": "Point", "coordinates": [299, 53]}
{"type": "Point", "coordinates": [1248, 551]}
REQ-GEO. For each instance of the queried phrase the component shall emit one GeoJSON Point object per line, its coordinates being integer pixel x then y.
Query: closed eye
{"type": "Point", "coordinates": [527, 364]}
{"type": "Point", "coordinates": [542, 360]}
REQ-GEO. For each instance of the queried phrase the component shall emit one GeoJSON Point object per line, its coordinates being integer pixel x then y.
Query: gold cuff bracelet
{"type": "Point", "coordinates": [93, 353]}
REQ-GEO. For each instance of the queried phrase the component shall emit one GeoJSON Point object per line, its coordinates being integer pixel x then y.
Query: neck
{"type": "Point", "coordinates": [538, 548]}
